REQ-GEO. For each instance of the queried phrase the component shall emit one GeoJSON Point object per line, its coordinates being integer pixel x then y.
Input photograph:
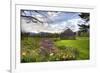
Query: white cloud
{"type": "Point", "coordinates": [73, 23]}
{"type": "Point", "coordinates": [40, 17]}
{"type": "Point", "coordinates": [52, 28]}
{"type": "Point", "coordinates": [53, 14]}
{"type": "Point", "coordinates": [38, 27]}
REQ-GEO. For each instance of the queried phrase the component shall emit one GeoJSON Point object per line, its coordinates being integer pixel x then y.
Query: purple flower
{"type": "Point", "coordinates": [46, 46]}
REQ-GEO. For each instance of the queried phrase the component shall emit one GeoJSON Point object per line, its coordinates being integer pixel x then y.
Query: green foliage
{"type": "Point", "coordinates": [82, 45]}
{"type": "Point", "coordinates": [64, 50]}
{"type": "Point", "coordinates": [85, 16]}
{"type": "Point", "coordinates": [62, 55]}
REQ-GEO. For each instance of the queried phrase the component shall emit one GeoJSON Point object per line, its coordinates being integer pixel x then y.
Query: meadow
{"type": "Point", "coordinates": [63, 50]}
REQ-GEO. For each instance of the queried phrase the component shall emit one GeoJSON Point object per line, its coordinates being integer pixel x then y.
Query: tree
{"type": "Point", "coordinates": [85, 16]}
{"type": "Point", "coordinates": [31, 18]}
{"type": "Point", "coordinates": [83, 27]}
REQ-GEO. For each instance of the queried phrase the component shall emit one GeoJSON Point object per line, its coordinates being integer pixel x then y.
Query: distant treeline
{"type": "Point", "coordinates": [52, 35]}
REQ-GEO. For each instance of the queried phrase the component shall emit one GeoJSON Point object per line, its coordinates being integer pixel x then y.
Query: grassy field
{"type": "Point", "coordinates": [65, 50]}
{"type": "Point", "coordinates": [82, 45]}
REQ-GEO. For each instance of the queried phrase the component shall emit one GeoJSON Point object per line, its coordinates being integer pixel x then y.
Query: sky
{"type": "Point", "coordinates": [53, 22]}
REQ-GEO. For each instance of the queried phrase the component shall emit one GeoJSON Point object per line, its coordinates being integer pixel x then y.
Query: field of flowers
{"type": "Point", "coordinates": [34, 49]}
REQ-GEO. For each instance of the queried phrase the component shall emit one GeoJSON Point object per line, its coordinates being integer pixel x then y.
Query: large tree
{"type": "Point", "coordinates": [86, 18]}
{"type": "Point", "coordinates": [33, 18]}
{"type": "Point", "coordinates": [84, 28]}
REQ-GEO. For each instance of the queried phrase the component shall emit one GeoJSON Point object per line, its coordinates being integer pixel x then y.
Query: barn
{"type": "Point", "coordinates": [68, 34]}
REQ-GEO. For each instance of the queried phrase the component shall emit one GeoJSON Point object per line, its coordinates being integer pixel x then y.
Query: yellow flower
{"type": "Point", "coordinates": [70, 56]}
{"type": "Point", "coordinates": [73, 56]}
{"type": "Point", "coordinates": [51, 54]}
{"type": "Point", "coordinates": [24, 53]}
{"type": "Point", "coordinates": [57, 59]}
{"type": "Point", "coordinates": [64, 56]}
{"type": "Point", "coordinates": [33, 51]}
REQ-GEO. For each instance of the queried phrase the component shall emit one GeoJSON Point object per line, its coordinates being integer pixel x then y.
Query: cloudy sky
{"type": "Point", "coordinates": [53, 22]}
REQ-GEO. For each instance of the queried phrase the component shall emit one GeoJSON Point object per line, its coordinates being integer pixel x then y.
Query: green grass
{"type": "Point", "coordinates": [82, 45]}
{"type": "Point", "coordinates": [82, 38]}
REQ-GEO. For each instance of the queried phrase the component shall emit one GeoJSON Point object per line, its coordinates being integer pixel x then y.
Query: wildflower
{"type": "Point", "coordinates": [51, 54]}
{"type": "Point", "coordinates": [33, 51]}
{"type": "Point", "coordinates": [46, 47]}
{"type": "Point", "coordinates": [70, 56]}
{"type": "Point", "coordinates": [24, 53]}
{"type": "Point", "coordinates": [73, 56]}
{"type": "Point", "coordinates": [57, 58]}
{"type": "Point", "coordinates": [64, 56]}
